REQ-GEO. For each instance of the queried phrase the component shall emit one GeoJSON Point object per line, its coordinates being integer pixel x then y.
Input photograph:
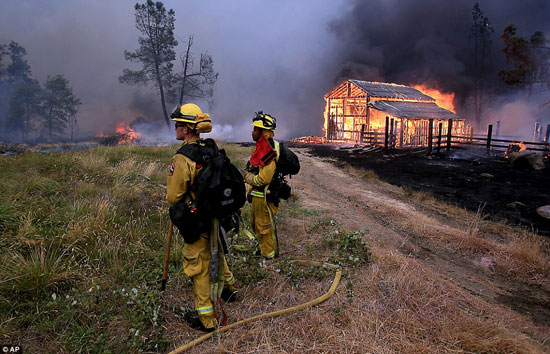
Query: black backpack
{"type": "Point", "coordinates": [219, 189]}
{"type": "Point", "coordinates": [287, 165]}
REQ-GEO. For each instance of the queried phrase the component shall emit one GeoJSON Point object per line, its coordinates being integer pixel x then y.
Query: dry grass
{"type": "Point", "coordinates": [91, 230]}
{"type": "Point", "coordinates": [517, 251]}
{"type": "Point", "coordinates": [393, 305]}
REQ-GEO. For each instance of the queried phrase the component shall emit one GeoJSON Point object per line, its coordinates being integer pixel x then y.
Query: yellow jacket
{"type": "Point", "coordinates": [181, 176]}
{"type": "Point", "coordinates": [260, 181]}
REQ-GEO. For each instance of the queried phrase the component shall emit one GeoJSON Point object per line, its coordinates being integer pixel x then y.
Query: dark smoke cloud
{"type": "Point", "coordinates": [280, 57]}
{"type": "Point", "coordinates": [415, 42]}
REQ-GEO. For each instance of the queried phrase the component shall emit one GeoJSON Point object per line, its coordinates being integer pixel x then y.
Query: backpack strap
{"type": "Point", "coordinates": [200, 151]}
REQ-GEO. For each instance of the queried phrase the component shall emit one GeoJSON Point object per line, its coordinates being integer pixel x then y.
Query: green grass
{"type": "Point", "coordinates": [82, 239]}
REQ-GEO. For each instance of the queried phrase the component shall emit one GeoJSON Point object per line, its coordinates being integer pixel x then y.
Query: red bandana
{"type": "Point", "coordinates": [264, 153]}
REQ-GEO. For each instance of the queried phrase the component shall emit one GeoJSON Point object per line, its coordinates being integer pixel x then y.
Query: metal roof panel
{"type": "Point", "coordinates": [402, 109]}
{"type": "Point", "coordinates": [387, 90]}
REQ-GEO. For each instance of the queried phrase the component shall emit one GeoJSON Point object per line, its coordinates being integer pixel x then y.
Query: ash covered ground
{"type": "Point", "coordinates": [467, 178]}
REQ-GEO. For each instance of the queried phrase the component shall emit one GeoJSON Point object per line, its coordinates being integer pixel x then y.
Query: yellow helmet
{"type": "Point", "coordinates": [191, 113]}
{"type": "Point", "coordinates": [264, 121]}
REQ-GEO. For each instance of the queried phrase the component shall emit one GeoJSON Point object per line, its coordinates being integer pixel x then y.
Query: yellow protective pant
{"type": "Point", "coordinates": [196, 265]}
{"type": "Point", "coordinates": [263, 225]}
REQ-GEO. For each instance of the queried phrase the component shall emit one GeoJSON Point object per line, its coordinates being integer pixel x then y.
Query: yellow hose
{"type": "Point", "coordinates": [311, 303]}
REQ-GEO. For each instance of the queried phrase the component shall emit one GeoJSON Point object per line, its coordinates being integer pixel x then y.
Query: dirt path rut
{"type": "Point", "coordinates": [391, 219]}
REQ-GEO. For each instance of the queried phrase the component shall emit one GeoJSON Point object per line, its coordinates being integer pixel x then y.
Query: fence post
{"type": "Point", "coordinates": [386, 133]}
{"type": "Point", "coordinates": [439, 137]}
{"type": "Point", "coordinates": [362, 134]}
{"type": "Point", "coordinates": [390, 137]}
{"type": "Point", "coordinates": [498, 128]}
{"type": "Point", "coordinates": [401, 134]}
{"type": "Point", "coordinates": [547, 138]}
{"type": "Point", "coordinates": [430, 136]}
{"type": "Point", "coordinates": [449, 134]}
{"type": "Point", "coordinates": [489, 136]}
{"type": "Point", "coordinates": [536, 132]}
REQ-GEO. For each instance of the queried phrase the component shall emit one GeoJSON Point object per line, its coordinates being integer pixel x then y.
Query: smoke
{"type": "Point", "coordinates": [278, 57]}
{"type": "Point", "coordinates": [429, 42]}
{"type": "Point", "coordinates": [517, 116]}
{"type": "Point", "coordinates": [270, 57]}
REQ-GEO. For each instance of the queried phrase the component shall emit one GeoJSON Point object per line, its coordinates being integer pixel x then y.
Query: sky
{"type": "Point", "coordinates": [270, 56]}
{"type": "Point", "coordinates": [279, 57]}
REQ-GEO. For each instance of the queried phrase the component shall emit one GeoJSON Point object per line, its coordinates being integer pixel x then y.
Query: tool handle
{"type": "Point", "coordinates": [167, 257]}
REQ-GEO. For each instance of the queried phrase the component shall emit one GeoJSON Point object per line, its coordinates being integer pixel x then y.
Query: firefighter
{"type": "Point", "coordinates": [190, 121]}
{"type": "Point", "coordinates": [260, 172]}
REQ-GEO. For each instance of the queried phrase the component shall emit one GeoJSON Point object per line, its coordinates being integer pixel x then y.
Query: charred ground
{"type": "Point", "coordinates": [466, 178]}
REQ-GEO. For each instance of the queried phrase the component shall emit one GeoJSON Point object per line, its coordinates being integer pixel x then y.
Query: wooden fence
{"type": "Point", "coordinates": [448, 141]}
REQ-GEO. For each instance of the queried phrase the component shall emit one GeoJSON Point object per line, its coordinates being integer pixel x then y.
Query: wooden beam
{"type": "Point", "coordinates": [439, 137]}
{"type": "Point", "coordinates": [386, 133]}
{"type": "Point", "coordinates": [489, 136]}
{"type": "Point", "coordinates": [430, 135]}
{"type": "Point", "coordinates": [449, 133]}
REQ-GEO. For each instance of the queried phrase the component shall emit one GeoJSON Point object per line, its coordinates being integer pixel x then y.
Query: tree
{"type": "Point", "coordinates": [156, 49]}
{"type": "Point", "coordinates": [19, 70]}
{"type": "Point", "coordinates": [196, 84]}
{"type": "Point", "coordinates": [516, 50]}
{"type": "Point", "coordinates": [59, 104]}
{"type": "Point", "coordinates": [530, 59]}
{"type": "Point", "coordinates": [13, 72]}
{"type": "Point", "coordinates": [540, 60]}
{"type": "Point", "coordinates": [24, 107]}
{"type": "Point", "coordinates": [481, 32]}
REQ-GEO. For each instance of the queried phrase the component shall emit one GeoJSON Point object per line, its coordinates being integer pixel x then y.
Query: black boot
{"type": "Point", "coordinates": [193, 320]}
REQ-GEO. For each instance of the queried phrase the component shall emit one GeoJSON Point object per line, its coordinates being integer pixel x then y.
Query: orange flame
{"type": "Point", "coordinates": [444, 100]}
{"type": "Point", "coordinates": [124, 133]}
{"type": "Point", "coordinates": [129, 135]}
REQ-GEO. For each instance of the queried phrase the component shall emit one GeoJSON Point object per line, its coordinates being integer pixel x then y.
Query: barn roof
{"type": "Point", "coordinates": [400, 109]}
{"type": "Point", "coordinates": [386, 90]}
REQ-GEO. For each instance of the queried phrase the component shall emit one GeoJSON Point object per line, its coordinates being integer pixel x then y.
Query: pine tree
{"type": "Point", "coordinates": [59, 104]}
{"type": "Point", "coordinates": [481, 33]}
{"type": "Point", "coordinates": [24, 108]}
{"type": "Point", "coordinates": [14, 72]}
{"type": "Point", "coordinates": [156, 50]}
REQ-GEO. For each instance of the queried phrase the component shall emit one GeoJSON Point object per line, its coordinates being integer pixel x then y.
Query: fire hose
{"type": "Point", "coordinates": [305, 305]}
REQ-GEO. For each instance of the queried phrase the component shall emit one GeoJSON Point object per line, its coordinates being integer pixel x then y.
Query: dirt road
{"type": "Point", "coordinates": [394, 219]}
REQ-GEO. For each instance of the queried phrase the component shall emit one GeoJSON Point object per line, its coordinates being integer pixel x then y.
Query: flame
{"type": "Point", "coordinates": [514, 147]}
{"type": "Point", "coordinates": [124, 133]}
{"type": "Point", "coordinates": [444, 100]}
{"type": "Point", "coordinates": [129, 134]}
{"type": "Point", "coordinates": [325, 121]}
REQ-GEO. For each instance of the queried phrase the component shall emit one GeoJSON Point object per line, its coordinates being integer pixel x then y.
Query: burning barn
{"type": "Point", "coordinates": [357, 111]}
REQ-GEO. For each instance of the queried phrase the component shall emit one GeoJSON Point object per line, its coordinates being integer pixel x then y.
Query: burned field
{"type": "Point", "coordinates": [466, 178]}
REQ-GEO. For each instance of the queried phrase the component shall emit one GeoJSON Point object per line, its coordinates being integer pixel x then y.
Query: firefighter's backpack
{"type": "Point", "coordinates": [287, 165]}
{"type": "Point", "coordinates": [219, 186]}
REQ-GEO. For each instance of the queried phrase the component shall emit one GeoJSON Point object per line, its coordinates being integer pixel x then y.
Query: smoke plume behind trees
{"type": "Point", "coordinates": [279, 57]}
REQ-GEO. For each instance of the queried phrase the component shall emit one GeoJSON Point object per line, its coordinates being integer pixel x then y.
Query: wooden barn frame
{"type": "Point", "coordinates": [357, 109]}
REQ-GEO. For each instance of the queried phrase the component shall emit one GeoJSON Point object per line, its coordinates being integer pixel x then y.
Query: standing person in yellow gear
{"type": "Point", "coordinates": [190, 122]}
{"type": "Point", "coordinates": [260, 172]}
